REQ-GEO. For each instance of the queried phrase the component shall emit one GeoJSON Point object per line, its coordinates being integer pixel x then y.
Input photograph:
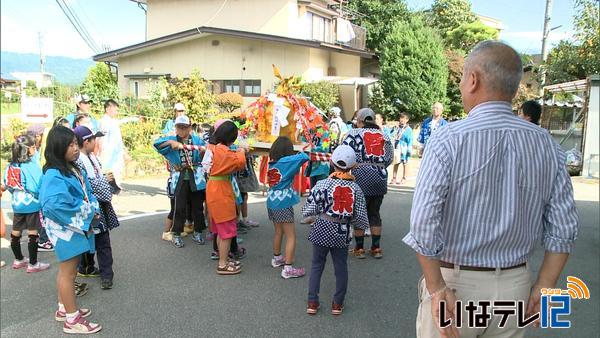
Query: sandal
{"type": "Point", "coordinates": [234, 263]}
{"type": "Point", "coordinates": [228, 270]}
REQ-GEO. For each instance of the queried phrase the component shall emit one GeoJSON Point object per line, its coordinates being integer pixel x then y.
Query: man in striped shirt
{"type": "Point", "coordinates": [489, 186]}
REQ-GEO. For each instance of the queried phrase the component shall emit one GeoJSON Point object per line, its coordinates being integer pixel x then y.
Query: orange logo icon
{"type": "Point", "coordinates": [577, 288]}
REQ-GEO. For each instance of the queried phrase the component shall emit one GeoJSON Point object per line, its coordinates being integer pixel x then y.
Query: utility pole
{"type": "Point", "coordinates": [547, 30]}
{"type": "Point", "coordinates": [42, 57]}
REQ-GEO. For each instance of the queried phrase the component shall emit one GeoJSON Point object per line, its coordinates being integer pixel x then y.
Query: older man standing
{"type": "Point", "coordinates": [430, 125]}
{"type": "Point", "coordinates": [488, 187]}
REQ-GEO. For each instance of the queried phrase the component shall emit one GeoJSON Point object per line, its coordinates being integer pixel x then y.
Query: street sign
{"type": "Point", "coordinates": [37, 109]}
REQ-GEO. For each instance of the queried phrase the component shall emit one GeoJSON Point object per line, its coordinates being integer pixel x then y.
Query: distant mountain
{"type": "Point", "coordinates": [67, 70]}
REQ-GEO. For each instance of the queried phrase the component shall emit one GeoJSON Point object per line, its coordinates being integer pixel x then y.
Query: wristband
{"type": "Point", "coordinates": [430, 296]}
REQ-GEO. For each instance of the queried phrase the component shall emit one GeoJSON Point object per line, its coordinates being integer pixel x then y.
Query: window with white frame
{"type": "Point", "coordinates": [317, 27]}
{"type": "Point", "coordinates": [246, 88]}
{"type": "Point", "coordinates": [231, 86]}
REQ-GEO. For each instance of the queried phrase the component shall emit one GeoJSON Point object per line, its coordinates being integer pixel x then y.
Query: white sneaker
{"type": "Point", "coordinates": [167, 236]}
{"type": "Point", "coordinates": [277, 262]}
{"type": "Point", "coordinates": [292, 272]}
{"type": "Point", "coordinates": [80, 326]}
{"type": "Point", "coordinates": [308, 220]}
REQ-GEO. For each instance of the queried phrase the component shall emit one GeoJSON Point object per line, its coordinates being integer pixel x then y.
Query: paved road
{"type": "Point", "coordinates": [163, 291]}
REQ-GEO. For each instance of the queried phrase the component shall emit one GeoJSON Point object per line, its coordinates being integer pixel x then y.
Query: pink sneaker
{"type": "Point", "coordinates": [80, 326]}
{"type": "Point", "coordinates": [61, 316]}
{"type": "Point", "coordinates": [292, 272]}
{"type": "Point", "coordinates": [277, 262]}
{"type": "Point", "coordinates": [252, 223]}
{"type": "Point", "coordinates": [17, 264]}
{"type": "Point", "coordinates": [39, 266]}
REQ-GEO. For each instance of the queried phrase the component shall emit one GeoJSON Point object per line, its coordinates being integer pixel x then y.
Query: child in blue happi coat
{"type": "Point", "coordinates": [281, 198]}
{"type": "Point", "coordinates": [69, 208]}
{"type": "Point", "coordinates": [403, 141]}
{"type": "Point", "coordinates": [23, 179]}
{"type": "Point", "coordinates": [188, 180]}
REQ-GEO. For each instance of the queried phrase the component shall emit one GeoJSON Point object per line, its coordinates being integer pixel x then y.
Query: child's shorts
{"type": "Point", "coordinates": [281, 215]}
{"type": "Point", "coordinates": [400, 158]}
{"type": "Point", "coordinates": [225, 230]}
{"type": "Point", "coordinates": [26, 221]}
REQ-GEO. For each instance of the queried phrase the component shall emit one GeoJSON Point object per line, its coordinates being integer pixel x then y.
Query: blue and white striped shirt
{"type": "Point", "coordinates": [488, 187]}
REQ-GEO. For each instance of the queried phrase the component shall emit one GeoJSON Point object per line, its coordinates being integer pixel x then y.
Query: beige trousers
{"type": "Point", "coordinates": [513, 284]}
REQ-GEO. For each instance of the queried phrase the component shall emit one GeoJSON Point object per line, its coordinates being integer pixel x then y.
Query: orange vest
{"type": "Point", "coordinates": [220, 198]}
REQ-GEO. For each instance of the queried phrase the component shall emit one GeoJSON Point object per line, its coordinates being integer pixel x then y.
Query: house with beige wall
{"type": "Point", "coordinates": [234, 43]}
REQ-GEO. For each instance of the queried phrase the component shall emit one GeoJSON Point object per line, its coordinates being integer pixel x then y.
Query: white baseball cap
{"type": "Point", "coordinates": [182, 120]}
{"type": "Point", "coordinates": [344, 157]}
{"type": "Point", "coordinates": [82, 99]}
{"type": "Point", "coordinates": [179, 106]}
{"type": "Point", "coordinates": [336, 111]}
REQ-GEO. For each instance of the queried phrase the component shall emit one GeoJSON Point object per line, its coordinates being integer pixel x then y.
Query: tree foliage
{"type": "Point", "coordinates": [194, 94]}
{"type": "Point", "coordinates": [460, 30]}
{"type": "Point", "coordinates": [580, 57]}
{"type": "Point", "coordinates": [377, 17]}
{"type": "Point", "coordinates": [157, 95]}
{"type": "Point", "coordinates": [100, 84]}
{"type": "Point", "coordinates": [564, 63]}
{"type": "Point", "coordinates": [229, 102]}
{"type": "Point", "coordinates": [414, 71]}
{"type": "Point", "coordinates": [447, 15]}
{"type": "Point", "coordinates": [380, 103]}
{"type": "Point", "coordinates": [456, 62]}
{"type": "Point", "coordinates": [324, 95]}
{"type": "Point", "coordinates": [587, 34]}
{"type": "Point", "coordinates": [467, 35]}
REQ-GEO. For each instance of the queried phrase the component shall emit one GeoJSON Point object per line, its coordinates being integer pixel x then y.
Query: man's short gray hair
{"type": "Point", "coordinates": [500, 65]}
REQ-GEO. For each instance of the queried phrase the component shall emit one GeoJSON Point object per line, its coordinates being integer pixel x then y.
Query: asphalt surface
{"type": "Point", "coordinates": [162, 291]}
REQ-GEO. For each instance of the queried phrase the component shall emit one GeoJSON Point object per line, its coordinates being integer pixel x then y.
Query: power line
{"type": "Point", "coordinates": [62, 6]}
{"type": "Point", "coordinates": [81, 26]}
{"type": "Point", "coordinates": [94, 28]}
{"type": "Point", "coordinates": [78, 26]}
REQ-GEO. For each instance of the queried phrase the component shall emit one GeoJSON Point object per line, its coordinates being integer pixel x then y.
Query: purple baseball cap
{"type": "Point", "coordinates": [84, 133]}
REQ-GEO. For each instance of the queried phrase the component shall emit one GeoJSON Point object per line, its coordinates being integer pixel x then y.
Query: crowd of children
{"type": "Point", "coordinates": [211, 172]}
{"type": "Point", "coordinates": [63, 200]}
{"type": "Point", "coordinates": [339, 203]}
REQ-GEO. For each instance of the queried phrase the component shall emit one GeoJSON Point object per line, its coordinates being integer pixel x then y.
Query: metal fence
{"type": "Point", "coordinates": [360, 41]}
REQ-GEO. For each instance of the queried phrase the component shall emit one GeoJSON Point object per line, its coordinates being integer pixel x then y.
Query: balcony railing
{"type": "Point", "coordinates": [337, 31]}
{"type": "Point", "coordinates": [360, 40]}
